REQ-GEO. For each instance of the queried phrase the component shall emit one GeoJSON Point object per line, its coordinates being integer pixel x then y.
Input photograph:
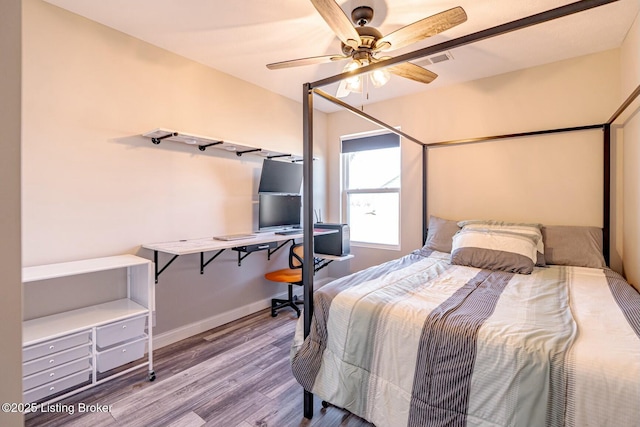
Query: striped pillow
{"type": "Point", "coordinates": [495, 250]}
{"type": "Point", "coordinates": [527, 229]}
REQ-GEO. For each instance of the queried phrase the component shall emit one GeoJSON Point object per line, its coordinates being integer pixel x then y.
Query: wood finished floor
{"type": "Point", "coordinates": [236, 375]}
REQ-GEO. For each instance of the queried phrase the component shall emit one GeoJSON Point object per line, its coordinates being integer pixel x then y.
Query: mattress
{"type": "Point", "coordinates": [420, 342]}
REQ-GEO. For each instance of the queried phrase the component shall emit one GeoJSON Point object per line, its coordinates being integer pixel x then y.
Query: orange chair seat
{"type": "Point", "coordinates": [286, 275]}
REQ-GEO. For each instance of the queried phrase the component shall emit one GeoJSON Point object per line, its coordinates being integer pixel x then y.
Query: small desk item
{"type": "Point", "coordinates": [287, 232]}
{"type": "Point", "coordinates": [231, 237]}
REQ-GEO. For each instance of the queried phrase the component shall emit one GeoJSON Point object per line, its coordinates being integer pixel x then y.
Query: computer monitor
{"type": "Point", "coordinates": [280, 177]}
{"type": "Point", "coordinates": [279, 211]}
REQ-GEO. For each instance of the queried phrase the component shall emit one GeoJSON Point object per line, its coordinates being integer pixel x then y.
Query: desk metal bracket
{"type": "Point", "coordinates": [241, 257]}
{"type": "Point", "coordinates": [271, 252]}
{"type": "Point", "coordinates": [155, 262]}
{"type": "Point", "coordinates": [204, 264]}
{"type": "Point", "coordinates": [319, 264]}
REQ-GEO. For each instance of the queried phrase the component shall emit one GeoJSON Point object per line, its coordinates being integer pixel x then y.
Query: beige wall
{"type": "Point", "coordinates": [92, 186]}
{"type": "Point", "coordinates": [575, 92]}
{"type": "Point", "coordinates": [629, 129]}
{"type": "Point", "coordinates": [10, 286]}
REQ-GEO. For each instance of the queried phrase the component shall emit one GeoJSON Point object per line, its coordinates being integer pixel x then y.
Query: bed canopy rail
{"type": "Point", "coordinates": [309, 89]}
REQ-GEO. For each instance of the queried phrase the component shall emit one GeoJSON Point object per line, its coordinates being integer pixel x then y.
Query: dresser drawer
{"type": "Point", "coordinates": [119, 332]}
{"type": "Point", "coordinates": [53, 346]}
{"type": "Point", "coordinates": [121, 354]}
{"type": "Point", "coordinates": [56, 359]}
{"type": "Point", "coordinates": [57, 386]}
{"type": "Point", "coordinates": [56, 373]}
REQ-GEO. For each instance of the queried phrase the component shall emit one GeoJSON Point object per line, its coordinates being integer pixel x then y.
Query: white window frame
{"type": "Point", "coordinates": [345, 192]}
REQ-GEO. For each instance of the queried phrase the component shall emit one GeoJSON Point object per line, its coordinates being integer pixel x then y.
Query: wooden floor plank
{"type": "Point", "coordinates": [234, 375]}
{"type": "Point", "coordinates": [190, 419]}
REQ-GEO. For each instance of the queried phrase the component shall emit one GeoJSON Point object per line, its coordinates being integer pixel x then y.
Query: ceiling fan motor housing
{"type": "Point", "coordinates": [362, 15]}
{"type": "Point", "coordinates": [368, 38]}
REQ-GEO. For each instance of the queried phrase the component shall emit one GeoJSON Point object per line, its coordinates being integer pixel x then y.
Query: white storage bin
{"type": "Point", "coordinates": [121, 354]}
{"type": "Point", "coordinates": [56, 359]}
{"type": "Point", "coordinates": [56, 373]}
{"type": "Point", "coordinates": [53, 346]}
{"type": "Point", "coordinates": [57, 386]}
{"type": "Point", "coordinates": [121, 331]}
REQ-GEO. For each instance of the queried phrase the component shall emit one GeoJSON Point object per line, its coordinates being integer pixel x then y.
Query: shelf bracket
{"type": "Point", "coordinates": [204, 264]}
{"type": "Point", "coordinates": [155, 262]}
{"type": "Point", "coordinates": [275, 156]}
{"type": "Point", "coordinates": [156, 140]}
{"type": "Point", "coordinates": [253, 150]}
{"type": "Point", "coordinates": [203, 147]}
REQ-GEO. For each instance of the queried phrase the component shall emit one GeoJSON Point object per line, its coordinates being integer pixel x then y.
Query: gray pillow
{"type": "Point", "coordinates": [573, 245]}
{"type": "Point", "coordinates": [440, 234]}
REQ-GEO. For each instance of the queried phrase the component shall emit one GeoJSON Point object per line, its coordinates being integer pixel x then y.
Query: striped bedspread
{"type": "Point", "coordinates": [420, 342]}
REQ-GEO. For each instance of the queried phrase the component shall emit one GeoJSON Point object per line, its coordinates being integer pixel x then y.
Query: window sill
{"type": "Point", "coordinates": [375, 246]}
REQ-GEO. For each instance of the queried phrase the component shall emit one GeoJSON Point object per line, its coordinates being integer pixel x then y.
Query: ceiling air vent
{"type": "Point", "coordinates": [440, 57]}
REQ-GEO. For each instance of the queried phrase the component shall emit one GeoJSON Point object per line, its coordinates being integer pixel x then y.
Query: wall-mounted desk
{"type": "Point", "coordinates": [271, 242]}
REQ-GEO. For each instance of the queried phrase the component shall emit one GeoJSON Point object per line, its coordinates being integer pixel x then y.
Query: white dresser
{"type": "Point", "coordinates": [72, 350]}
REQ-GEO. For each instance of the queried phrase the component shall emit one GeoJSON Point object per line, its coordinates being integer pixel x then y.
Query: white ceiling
{"type": "Point", "coordinates": [240, 37]}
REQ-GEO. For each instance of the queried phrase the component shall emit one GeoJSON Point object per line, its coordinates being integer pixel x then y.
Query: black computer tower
{"type": "Point", "coordinates": [332, 244]}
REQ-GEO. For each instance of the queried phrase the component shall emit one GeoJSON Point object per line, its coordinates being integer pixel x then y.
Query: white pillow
{"type": "Point", "coordinates": [495, 250]}
{"type": "Point", "coordinates": [527, 229]}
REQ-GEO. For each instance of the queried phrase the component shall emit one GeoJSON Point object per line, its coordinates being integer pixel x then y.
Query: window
{"type": "Point", "coordinates": [371, 189]}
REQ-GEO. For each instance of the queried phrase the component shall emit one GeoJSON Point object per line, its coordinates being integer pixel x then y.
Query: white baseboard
{"type": "Point", "coordinates": [183, 332]}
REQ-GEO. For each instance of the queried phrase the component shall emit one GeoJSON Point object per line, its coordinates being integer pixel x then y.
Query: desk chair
{"type": "Point", "coordinates": [291, 276]}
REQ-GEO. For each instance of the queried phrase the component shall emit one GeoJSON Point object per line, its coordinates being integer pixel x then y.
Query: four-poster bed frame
{"type": "Point", "coordinates": [309, 89]}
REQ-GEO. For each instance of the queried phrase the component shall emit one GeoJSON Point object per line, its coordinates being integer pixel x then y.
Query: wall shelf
{"type": "Point", "coordinates": [202, 142]}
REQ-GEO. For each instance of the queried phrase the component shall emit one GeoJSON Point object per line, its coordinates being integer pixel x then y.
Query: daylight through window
{"type": "Point", "coordinates": [371, 189]}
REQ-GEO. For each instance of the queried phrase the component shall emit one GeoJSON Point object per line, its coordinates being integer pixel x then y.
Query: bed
{"type": "Point", "coordinates": [426, 340]}
{"type": "Point", "coordinates": [471, 339]}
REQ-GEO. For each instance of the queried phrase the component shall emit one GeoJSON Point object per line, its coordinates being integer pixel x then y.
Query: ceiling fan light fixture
{"type": "Point", "coordinates": [379, 77]}
{"type": "Point", "coordinates": [353, 84]}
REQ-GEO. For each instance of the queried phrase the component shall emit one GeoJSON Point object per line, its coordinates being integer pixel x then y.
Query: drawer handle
{"type": "Point", "coordinates": [51, 361]}
{"type": "Point", "coordinates": [52, 374]}
{"type": "Point", "coordinates": [52, 388]}
{"type": "Point", "coordinates": [51, 347]}
{"type": "Point", "coordinates": [124, 326]}
{"type": "Point", "coordinates": [124, 350]}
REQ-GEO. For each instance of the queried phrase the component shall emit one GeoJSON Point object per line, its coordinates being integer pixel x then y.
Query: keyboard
{"type": "Point", "coordinates": [230, 237]}
{"type": "Point", "coordinates": [288, 232]}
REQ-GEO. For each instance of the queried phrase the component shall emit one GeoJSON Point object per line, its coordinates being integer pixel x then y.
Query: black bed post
{"type": "Point", "coordinates": [606, 191]}
{"type": "Point", "coordinates": [425, 222]}
{"type": "Point", "coordinates": [307, 265]}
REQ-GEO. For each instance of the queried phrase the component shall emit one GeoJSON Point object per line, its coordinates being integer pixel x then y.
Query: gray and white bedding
{"type": "Point", "coordinates": [421, 342]}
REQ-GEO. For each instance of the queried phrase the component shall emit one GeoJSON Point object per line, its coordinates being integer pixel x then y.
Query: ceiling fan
{"type": "Point", "coordinates": [362, 44]}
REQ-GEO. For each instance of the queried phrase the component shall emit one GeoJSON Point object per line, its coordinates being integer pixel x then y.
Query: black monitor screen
{"type": "Point", "coordinates": [280, 177]}
{"type": "Point", "coordinates": [279, 210]}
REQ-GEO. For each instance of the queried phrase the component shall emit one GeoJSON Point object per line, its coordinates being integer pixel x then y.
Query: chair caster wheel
{"type": "Point", "coordinates": [152, 376]}
{"type": "Point", "coordinates": [325, 404]}
{"type": "Point", "coordinates": [274, 314]}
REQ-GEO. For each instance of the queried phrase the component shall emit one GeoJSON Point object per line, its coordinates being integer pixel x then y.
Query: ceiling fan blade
{"type": "Point", "coordinates": [413, 72]}
{"type": "Point", "coordinates": [338, 21]}
{"type": "Point", "coordinates": [422, 29]}
{"type": "Point", "coordinates": [306, 61]}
